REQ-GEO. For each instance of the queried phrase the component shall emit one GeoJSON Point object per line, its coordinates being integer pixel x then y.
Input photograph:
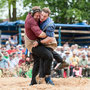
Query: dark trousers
{"type": "Point", "coordinates": [35, 68]}
{"type": "Point", "coordinates": [57, 57]}
{"type": "Point", "coordinates": [71, 71]}
{"type": "Point", "coordinates": [42, 57]}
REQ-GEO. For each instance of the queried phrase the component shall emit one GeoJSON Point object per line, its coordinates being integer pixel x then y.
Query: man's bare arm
{"type": "Point", "coordinates": [42, 35]}
{"type": "Point", "coordinates": [47, 40]}
{"type": "Point", "coordinates": [44, 41]}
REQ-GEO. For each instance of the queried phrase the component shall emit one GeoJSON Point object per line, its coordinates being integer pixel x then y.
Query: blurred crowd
{"type": "Point", "coordinates": [78, 59]}
{"type": "Point", "coordinates": [14, 62]}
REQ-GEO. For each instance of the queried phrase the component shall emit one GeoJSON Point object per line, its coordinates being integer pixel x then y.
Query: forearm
{"type": "Point", "coordinates": [47, 40]}
{"type": "Point", "coordinates": [42, 35]}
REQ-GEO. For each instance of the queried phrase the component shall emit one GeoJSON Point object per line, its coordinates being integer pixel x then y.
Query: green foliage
{"type": "Point", "coordinates": [24, 16]}
{"type": "Point", "coordinates": [63, 11]}
{"type": "Point", "coordinates": [2, 3]}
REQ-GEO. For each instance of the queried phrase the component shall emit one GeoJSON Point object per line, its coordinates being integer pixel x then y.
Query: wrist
{"type": "Point", "coordinates": [39, 42]}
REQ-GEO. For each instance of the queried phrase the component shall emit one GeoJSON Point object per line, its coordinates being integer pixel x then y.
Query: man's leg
{"type": "Point", "coordinates": [61, 64]}
{"type": "Point", "coordinates": [45, 55]}
{"type": "Point", "coordinates": [47, 67]}
{"type": "Point", "coordinates": [68, 72]}
{"type": "Point", "coordinates": [62, 71]}
{"type": "Point", "coordinates": [35, 68]}
{"type": "Point", "coordinates": [57, 57]}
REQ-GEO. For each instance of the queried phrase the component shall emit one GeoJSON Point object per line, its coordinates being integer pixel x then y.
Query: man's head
{"type": "Point", "coordinates": [36, 13]}
{"type": "Point", "coordinates": [44, 14]}
{"type": "Point", "coordinates": [67, 53]}
{"type": "Point", "coordinates": [74, 53]}
{"type": "Point", "coordinates": [83, 56]}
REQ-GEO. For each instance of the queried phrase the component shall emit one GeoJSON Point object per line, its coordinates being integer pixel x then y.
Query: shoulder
{"type": "Point", "coordinates": [33, 22]}
{"type": "Point", "coordinates": [30, 20]}
{"type": "Point", "coordinates": [50, 22]}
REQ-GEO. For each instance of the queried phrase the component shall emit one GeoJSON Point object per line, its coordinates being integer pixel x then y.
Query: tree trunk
{"type": "Point", "coordinates": [10, 19]}
{"type": "Point", "coordinates": [9, 11]}
{"type": "Point", "coordinates": [14, 10]}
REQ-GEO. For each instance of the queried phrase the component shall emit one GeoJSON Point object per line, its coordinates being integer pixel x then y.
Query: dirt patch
{"type": "Point", "coordinates": [60, 84]}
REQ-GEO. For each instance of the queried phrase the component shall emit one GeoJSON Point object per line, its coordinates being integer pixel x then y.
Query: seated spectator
{"type": "Point", "coordinates": [24, 66]}
{"type": "Point", "coordinates": [67, 59]}
{"type": "Point", "coordinates": [88, 67]}
{"type": "Point", "coordinates": [19, 55]}
{"type": "Point", "coordinates": [77, 71]}
{"type": "Point", "coordinates": [3, 64]}
{"type": "Point", "coordinates": [22, 60]}
{"type": "Point", "coordinates": [74, 61]}
{"type": "Point", "coordinates": [84, 65]}
{"type": "Point", "coordinates": [13, 41]}
{"type": "Point", "coordinates": [15, 58]}
{"type": "Point", "coordinates": [12, 62]}
{"type": "Point", "coordinates": [6, 56]}
{"type": "Point", "coordinates": [8, 44]}
{"type": "Point", "coordinates": [12, 50]}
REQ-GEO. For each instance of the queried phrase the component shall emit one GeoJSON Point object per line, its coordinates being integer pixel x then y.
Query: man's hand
{"type": "Point", "coordinates": [35, 44]}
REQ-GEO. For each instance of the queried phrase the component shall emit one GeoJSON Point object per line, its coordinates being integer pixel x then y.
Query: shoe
{"type": "Point", "coordinates": [61, 66]}
{"type": "Point", "coordinates": [32, 84]}
{"type": "Point", "coordinates": [49, 81]}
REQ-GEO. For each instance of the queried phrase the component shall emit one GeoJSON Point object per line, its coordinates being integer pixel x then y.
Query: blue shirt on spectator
{"type": "Point", "coordinates": [3, 64]}
{"type": "Point", "coordinates": [50, 29]}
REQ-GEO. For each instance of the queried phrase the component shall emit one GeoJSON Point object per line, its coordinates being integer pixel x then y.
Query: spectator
{"type": "Point", "coordinates": [12, 62]}
{"type": "Point", "coordinates": [12, 50]}
{"type": "Point", "coordinates": [77, 71]}
{"type": "Point", "coordinates": [84, 65]}
{"type": "Point", "coordinates": [74, 61]}
{"type": "Point", "coordinates": [16, 60]}
{"type": "Point", "coordinates": [3, 63]}
{"type": "Point", "coordinates": [88, 67]}
{"type": "Point", "coordinates": [8, 44]}
{"type": "Point", "coordinates": [67, 59]}
{"type": "Point", "coordinates": [22, 60]}
{"type": "Point", "coordinates": [14, 41]}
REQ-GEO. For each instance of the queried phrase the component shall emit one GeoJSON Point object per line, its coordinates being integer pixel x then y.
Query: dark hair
{"type": "Point", "coordinates": [35, 9]}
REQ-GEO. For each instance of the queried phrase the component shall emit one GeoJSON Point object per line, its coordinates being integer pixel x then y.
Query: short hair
{"type": "Point", "coordinates": [35, 9]}
{"type": "Point", "coordinates": [46, 10]}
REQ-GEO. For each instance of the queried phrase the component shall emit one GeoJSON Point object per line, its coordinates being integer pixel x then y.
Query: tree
{"type": "Point", "coordinates": [64, 11]}
{"type": "Point", "coordinates": [78, 10]}
{"type": "Point", "coordinates": [10, 2]}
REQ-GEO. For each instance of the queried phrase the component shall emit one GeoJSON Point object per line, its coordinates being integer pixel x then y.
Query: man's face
{"type": "Point", "coordinates": [37, 16]}
{"type": "Point", "coordinates": [43, 16]}
{"type": "Point", "coordinates": [83, 56]}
